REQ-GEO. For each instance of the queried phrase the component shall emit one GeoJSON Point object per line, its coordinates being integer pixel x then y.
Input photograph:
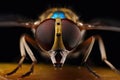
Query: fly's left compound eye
{"type": "Point", "coordinates": [45, 34]}
{"type": "Point", "coordinates": [70, 33]}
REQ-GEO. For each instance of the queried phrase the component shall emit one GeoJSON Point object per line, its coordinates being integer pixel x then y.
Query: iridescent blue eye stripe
{"type": "Point", "coordinates": [58, 14]}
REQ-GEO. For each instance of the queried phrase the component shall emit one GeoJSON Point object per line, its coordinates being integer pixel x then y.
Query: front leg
{"type": "Point", "coordinates": [23, 49]}
{"type": "Point", "coordinates": [85, 49]}
{"type": "Point", "coordinates": [30, 53]}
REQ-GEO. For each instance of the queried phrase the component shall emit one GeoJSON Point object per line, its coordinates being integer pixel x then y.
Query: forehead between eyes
{"type": "Point", "coordinates": [59, 13]}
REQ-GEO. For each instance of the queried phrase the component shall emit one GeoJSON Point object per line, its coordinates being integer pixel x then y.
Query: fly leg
{"type": "Point", "coordinates": [23, 56]}
{"type": "Point", "coordinates": [86, 48]}
{"type": "Point", "coordinates": [30, 53]}
{"type": "Point", "coordinates": [103, 54]}
{"type": "Point", "coordinates": [25, 48]}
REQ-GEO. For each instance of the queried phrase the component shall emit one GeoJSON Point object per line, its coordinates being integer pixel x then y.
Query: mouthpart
{"type": "Point", "coordinates": [58, 57]}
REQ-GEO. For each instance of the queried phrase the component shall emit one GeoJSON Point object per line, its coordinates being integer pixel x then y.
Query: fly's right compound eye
{"type": "Point", "coordinates": [45, 34]}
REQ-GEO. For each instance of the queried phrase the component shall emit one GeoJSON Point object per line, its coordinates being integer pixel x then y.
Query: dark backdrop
{"type": "Point", "coordinates": [87, 10]}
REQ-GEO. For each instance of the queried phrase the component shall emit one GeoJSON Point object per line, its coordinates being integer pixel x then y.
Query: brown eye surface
{"type": "Point", "coordinates": [45, 34]}
{"type": "Point", "coordinates": [70, 33]}
{"type": "Point", "coordinates": [46, 30]}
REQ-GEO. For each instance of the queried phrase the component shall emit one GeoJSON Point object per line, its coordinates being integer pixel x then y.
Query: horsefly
{"type": "Point", "coordinates": [58, 34]}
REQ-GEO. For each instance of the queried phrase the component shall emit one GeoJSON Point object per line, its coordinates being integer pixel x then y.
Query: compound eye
{"type": "Point", "coordinates": [45, 34]}
{"type": "Point", "coordinates": [71, 34]}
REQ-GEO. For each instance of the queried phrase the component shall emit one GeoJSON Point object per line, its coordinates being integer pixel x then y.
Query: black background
{"type": "Point", "coordinates": [87, 10]}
